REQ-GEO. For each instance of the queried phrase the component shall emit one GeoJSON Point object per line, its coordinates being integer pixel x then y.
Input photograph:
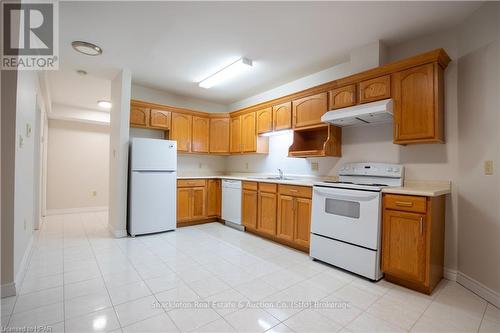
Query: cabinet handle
{"type": "Point", "coordinates": [294, 203]}
{"type": "Point", "coordinates": [397, 131]}
{"type": "Point", "coordinates": [294, 191]}
{"type": "Point", "coordinates": [404, 203]}
{"type": "Point", "coordinates": [421, 225]}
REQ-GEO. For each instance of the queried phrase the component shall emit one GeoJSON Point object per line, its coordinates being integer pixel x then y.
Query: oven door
{"type": "Point", "coordinates": [351, 216]}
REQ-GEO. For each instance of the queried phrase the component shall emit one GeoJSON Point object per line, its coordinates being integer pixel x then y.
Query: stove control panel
{"type": "Point", "coordinates": [372, 169]}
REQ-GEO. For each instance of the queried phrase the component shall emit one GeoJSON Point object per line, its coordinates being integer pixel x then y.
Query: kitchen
{"type": "Point", "coordinates": [348, 186]}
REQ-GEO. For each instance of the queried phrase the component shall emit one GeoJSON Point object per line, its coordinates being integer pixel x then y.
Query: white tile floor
{"type": "Point", "coordinates": [81, 280]}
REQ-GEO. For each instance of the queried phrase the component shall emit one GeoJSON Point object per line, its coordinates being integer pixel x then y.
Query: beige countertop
{"type": "Point", "coordinates": [411, 187]}
{"type": "Point", "coordinates": [422, 188]}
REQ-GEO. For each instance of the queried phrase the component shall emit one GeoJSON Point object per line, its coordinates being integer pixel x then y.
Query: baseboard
{"type": "Point", "coordinates": [23, 266]}
{"type": "Point", "coordinates": [118, 233]}
{"type": "Point", "coordinates": [478, 288]}
{"type": "Point", "coordinates": [450, 274]}
{"type": "Point", "coordinates": [8, 289]}
{"type": "Point", "coordinates": [76, 210]}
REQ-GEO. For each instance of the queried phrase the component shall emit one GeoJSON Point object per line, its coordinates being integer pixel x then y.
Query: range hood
{"type": "Point", "coordinates": [369, 113]}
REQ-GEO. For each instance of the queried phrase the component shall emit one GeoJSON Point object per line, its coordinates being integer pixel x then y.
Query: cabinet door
{"type": "Point", "coordinates": [200, 135]}
{"type": "Point", "coordinates": [375, 89]}
{"type": "Point", "coordinates": [184, 196]}
{"type": "Point", "coordinates": [219, 135]}
{"type": "Point", "coordinates": [139, 116]}
{"type": "Point", "coordinates": [199, 203]}
{"type": "Point", "coordinates": [308, 110]}
{"type": "Point", "coordinates": [302, 222]}
{"type": "Point", "coordinates": [415, 108]}
{"type": "Point", "coordinates": [282, 116]}
{"type": "Point", "coordinates": [265, 120]}
{"type": "Point", "coordinates": [248, 133]}
{"type": "Point", "coordinates": [249, 209]}
{"type": "Point", "coordinates": [235, 139]}
{"type": "Point", "coordinates": [181, 131]}
{"type": "Point", "coordinates": [342, 97]}
{"type": "Point", "coordinates": [213, 197]}
{"type": "Point", "coordinates": [266, 221]}
{"type": "Point", "coordinates": [286, 216]}
{"type": "Point", "coordinates": [403, 245]}
{"type": "Point", "coordinates": [160, 119]}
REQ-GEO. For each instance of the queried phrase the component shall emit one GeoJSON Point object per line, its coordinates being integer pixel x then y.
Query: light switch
{"type": "Point", "coordinates": [21, 141]}
{"type": "Point", "coordinates": [94, 193]}
{"type": "Point", "coordinates": [28, 130]}
{"type": "Point", "coordinates": [246, 166]}
{"type": "Point", "coordinates": [314, 166]}
{"type": "Point", "coordinates": [200, 165]}
{"type": "Point", "coordinates": [488, 167]}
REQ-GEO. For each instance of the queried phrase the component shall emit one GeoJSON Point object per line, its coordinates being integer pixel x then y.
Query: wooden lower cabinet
{"type": "Point", "coordinates": [213, 197]}
{"type": "Point", "coordinates": [285, 217]}
{"type": "Point", "coordinates": [198, 200]}
{"type": "Point", "coordinates": [413, 241]}
{"type": "Point", "coordinates": [249, 208]}
{"type": "Point", "coordinates": [267, 205]}
{"type": "Point", "coordinates": [302, 229]}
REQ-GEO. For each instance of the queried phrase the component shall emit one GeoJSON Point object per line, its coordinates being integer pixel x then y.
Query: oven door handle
{"type": "Point", "coordinates": [333, 194]}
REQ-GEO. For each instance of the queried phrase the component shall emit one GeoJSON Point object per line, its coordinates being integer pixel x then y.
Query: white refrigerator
{"type": "Point", "coordinates": [152, 186]}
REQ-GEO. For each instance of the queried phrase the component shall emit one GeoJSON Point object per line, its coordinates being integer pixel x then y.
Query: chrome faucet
{"type": "Point", "coordinates": [281, 174]}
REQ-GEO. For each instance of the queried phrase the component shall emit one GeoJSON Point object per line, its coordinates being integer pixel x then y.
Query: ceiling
{"type": "Point", "coordinates": [170, 45]}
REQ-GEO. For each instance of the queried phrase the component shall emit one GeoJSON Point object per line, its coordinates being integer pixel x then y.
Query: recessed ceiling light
{"type": "Point", "coordinates": [226, 73]}
{"type": "Point", "coordinates": [104, 104]}
{"type": "Point", "coordinates": [86, 48]}
{"type": "Point", "coordinates": [81, 72]}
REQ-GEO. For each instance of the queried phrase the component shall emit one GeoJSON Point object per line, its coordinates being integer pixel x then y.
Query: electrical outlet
{"type": "Point", "coordinates": [314, 166]}
{"type": "Point", "coordinates": [28, 130]}
{"type": "Point", "coordinates": [94, 193]}
{"type": "Point", "coordinates": [200, 165]}
{"type": "Point", "coordinates": [488, 167]}
{"type": "Point", "coordinates": [246, 166]}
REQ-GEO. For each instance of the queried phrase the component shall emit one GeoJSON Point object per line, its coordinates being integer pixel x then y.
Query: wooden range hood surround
{"type": "Point", "coordinates": [316, 141]}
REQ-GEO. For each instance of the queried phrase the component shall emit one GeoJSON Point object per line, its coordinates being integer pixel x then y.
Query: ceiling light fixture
{"type": "Point", "coordinates": [104, 104]}
{"type": "Point", "coordinates": [86, 48]}
{"type": "Point", "coordinates": [239, 66]}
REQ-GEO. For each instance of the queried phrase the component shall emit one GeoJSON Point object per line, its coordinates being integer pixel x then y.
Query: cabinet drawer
{"type": "Point", "coordinates": [405, 203]}
{"type": "Point", "coordinates": [267, 187]}
{"type": "Point", "coordinates": [296, 191]}
{"type": "Point", "coordinates": [191, 182]}
{"type": "Point", "coordinates": [252, 186]}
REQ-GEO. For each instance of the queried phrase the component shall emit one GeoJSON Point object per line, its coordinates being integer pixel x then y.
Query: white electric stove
{"type": "Point", "coordinates": [346, 217]}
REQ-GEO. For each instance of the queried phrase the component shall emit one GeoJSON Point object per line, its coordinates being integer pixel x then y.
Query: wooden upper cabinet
{"type": "Point", "coordinates": [375, 89]}
{"type": "Point", "coordinates": [307, 111]}
{"type": "Point", "coordinates": [139, 116]}
{"type": "Point", "coordinates": [248, 133]}
{"type": "Point", "coordinates": [342, 97]}
{"type": "Point", "coordinates": [160, 119]}
{"type": "Point", "coordinates": [219, 135]}
{"type": "Point", "coordinates": [201, 137]}
{"type": "Point", "coordinates": [282, 116]}
{"type": "Point", "coordinates": [235, 135]}
{"type": "Point", "coordinates": [265, 120]}
{"type": "Point", "coordinates": [181, 131]}
{"type": "Point", "coordinates": [403, 253]}
{"type": "Point", "coordinates": [249, 208]}
{"type": "Point", "coordinates": [418, 105]}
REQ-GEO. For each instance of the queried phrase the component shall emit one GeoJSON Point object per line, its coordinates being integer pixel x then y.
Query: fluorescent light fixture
{"type": "Point", "coordinates": [239, 66]}
{"type": "Point", "coordinates": [276, 133]}
{"type": "Point", "coordinates": [104, 104]}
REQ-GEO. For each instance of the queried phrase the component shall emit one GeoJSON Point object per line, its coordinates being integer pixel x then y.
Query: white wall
{"type": "Point", "coordinates": [479, 140]}
{"type": "Point", "coordinates": [75, 113]}
{"type": "Point", "coordinates": [77, 165]}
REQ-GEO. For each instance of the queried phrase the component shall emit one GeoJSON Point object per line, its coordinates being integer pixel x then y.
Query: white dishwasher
{"type": "Point", "coordinates": [231, 203]}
